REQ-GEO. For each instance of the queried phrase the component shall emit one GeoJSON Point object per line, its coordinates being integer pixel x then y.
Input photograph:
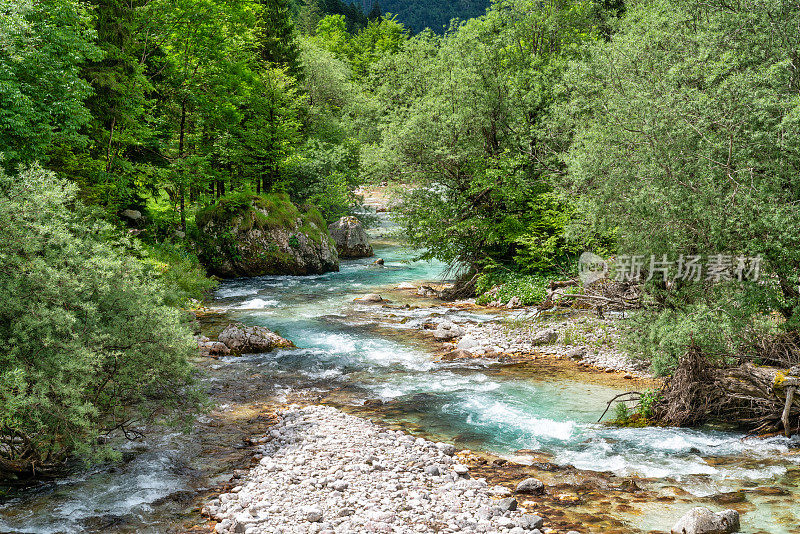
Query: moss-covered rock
{"type": "Point", "coordinates": [253, 235]}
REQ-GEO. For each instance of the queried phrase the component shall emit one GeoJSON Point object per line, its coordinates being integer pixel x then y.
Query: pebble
{"type": "Point", "coordinates": [334, 473]}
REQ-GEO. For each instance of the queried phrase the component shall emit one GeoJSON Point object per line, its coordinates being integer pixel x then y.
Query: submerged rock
{"type": "Point", "coordinates": [252, 339]}
{"type": "Point", "coordinates": [704, 521]}
{"type": "Point", "coordinates": [530, 486]}
{"type": "Point", "coordinates": [350, 238]}
{"type": "Point", "coordinates": [370, 297]}
{"type": "Point", "coordinates": [263, 235]}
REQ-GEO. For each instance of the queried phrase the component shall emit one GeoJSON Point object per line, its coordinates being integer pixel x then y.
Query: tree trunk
{"type": "Point", "coordinates": [181, 187]}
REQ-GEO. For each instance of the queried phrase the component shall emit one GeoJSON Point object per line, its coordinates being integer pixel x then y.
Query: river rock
{"type": "Point", "coordinates": [427, 291]}
{"type": "Point", "coordinates": [458, 354]}
{"type": "Point", "coordinates": [133, 215]}
{"type": "Point", "coordinates": [509, 504]}
{"type": "Point", "coordinates": [446, 331]}
{"type": "Point", "coordinates": [576, 354]}
{"type": "Point", "coordinates": [514, 303]}
{"type": "Point", "coordinates": [251, 339]}
{"type": "Point", "coordinates": [467, 343]}
{"type": "Point", "coordinates": [703, 521]}
{"type": "Point", "coordinates": [213, 349]}
{"type": "Point", "coordinates": [350, 238]}
{"type": "Point", "coordinates": [530, 486]}
{"type": "Point", "coordinates": [267, 236]}
{"type": "Point", "coordinates": [530, 522]}
{"type": "Point", "coordinates": [406, 285]}
{"type": "Point", "coordinates": [370, 297]}
{"type": "Point", "coordinates": [545, 337]}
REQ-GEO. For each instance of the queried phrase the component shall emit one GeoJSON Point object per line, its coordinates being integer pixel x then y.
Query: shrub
{"type": "Point", "coordinates": [90, 345]}
{"type": "Point", "coordinates": [530, 289]}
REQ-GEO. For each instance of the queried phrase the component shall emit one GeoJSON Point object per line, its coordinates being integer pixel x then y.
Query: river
{"type": "Point", "coordinates": [351, 354]}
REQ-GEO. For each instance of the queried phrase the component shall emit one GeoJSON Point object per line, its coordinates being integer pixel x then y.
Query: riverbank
{"type": "Point", "coordinates": [324, 471]}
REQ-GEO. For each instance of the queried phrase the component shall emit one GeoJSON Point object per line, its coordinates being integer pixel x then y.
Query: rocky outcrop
{"type": "Point", "coordinates": [263, 235]}
{"type": "Point", "coordinates": [704, 521]}
{"type": "Point", "coordinates": [243, 339]}
{"type": "Point", "coordinates": [350, 238]}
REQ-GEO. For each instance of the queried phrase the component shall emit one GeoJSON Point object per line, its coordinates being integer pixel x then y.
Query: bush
{"type": "Point", "coordinates": [90, 345]}
{"type": "Point", "coordinates": [722, 333]}
{"type": "Point", "coordinates": [530, 289]}
{"type": "Point", "coordinates": [179, 271]}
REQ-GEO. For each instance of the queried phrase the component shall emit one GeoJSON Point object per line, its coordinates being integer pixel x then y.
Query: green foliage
{"type": "Point", "coordinates": [711, 169]}
{"type": "Point", "coordinates": [420, 14]}
{"type": "Point", "coordinates": [530, 289]}
{"type": "Point", "coordinates": [471, 123]}
{"type": "Point", "coordinates": [42, 94]}
{"type": "Point", "coordinates": [180, 273]}
{"type": "Point", "coordinates": [647, 403]}
{"type": "Point", "coordinates": [275, 34]}
{"type": "Point", "coordinates": [90, 344]}
{"type": "Point", "coordinates": [621, 413]}
{"type": "Point", "coordinates": [249, 210]}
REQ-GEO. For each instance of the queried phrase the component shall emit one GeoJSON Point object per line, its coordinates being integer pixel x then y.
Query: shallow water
{"type": "Point", "coordinates": [368, 353]}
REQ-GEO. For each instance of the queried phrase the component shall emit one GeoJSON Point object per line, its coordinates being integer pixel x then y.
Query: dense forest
{"type": "Point", "coordinates": [418, 15]}
{"type": "Point", "coordinates": [519, 138]}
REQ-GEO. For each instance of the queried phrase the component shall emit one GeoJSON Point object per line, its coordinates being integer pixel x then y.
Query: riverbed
{"type": "Point", "coordinates": [377, 361]}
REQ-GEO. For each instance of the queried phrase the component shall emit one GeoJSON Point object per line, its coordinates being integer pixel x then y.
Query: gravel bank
{"type": "Point", "coordinates": [588, 340]}
{"type": "Point", "coordinates": [325, 471]}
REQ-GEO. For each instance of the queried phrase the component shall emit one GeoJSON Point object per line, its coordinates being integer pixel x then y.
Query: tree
{"type": "Point", "coordinates": [473, 125]}
{"type": "Point", "coordinates": [688, 143]}
{"type": "Point", "coordinates": [270, 129]}
{"type": "Point", "coordinates": [276, 39]}
{"type": "Point", "coordinates": [309, 16]}
{"type": "Point", "coordinates": [41, 91]}
{"type": "Point", "coordinates": [90, 346]}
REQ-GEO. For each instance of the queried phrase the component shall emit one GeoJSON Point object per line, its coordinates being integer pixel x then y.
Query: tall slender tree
{"type": "Point", "coordinates": [276, 37]}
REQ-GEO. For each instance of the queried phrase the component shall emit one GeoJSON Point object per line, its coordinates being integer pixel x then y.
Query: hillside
{"type": "Point", "coordinates": [421, 14]}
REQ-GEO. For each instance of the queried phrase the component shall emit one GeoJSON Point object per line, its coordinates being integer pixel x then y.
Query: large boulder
{"type": "Point", "coordinates": [243, 339]}
{"type": "Point", "coordinates": [251, 235]}
{"type": "Point", "coordinates": [350, 238]}
{"type": "Point", "coordinates": [704, 521]}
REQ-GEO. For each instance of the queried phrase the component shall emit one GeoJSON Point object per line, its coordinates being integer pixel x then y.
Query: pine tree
{"type": "Point", "coordinates": [376, 12]}
{"type": "Point", "coordinates": [277, 41]}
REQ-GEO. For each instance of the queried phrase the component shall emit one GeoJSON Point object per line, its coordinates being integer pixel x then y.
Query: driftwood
{"type": "Point", "coordinates": [758, 398]}
{"type": "Point", "coordinates": [600, 295]}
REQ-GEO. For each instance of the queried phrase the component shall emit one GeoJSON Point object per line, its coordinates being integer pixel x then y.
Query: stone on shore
{"type": "Point", "coordinates": [446, 331]}
{"type": "Point", "coordinates": [350, 238]}
{"type": "Point", "coordinates": [703, 521]}
{"type": "Point", "coordinates": [243, 339]}
{"type": "Point", "coordinates": [212, 349]}
{"type": "Point", "coordinates": [545, 337]}
{"type": "Point", "coordinates": [458, 354]}
{"type": "Point", "coordinates": [467, 343]}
